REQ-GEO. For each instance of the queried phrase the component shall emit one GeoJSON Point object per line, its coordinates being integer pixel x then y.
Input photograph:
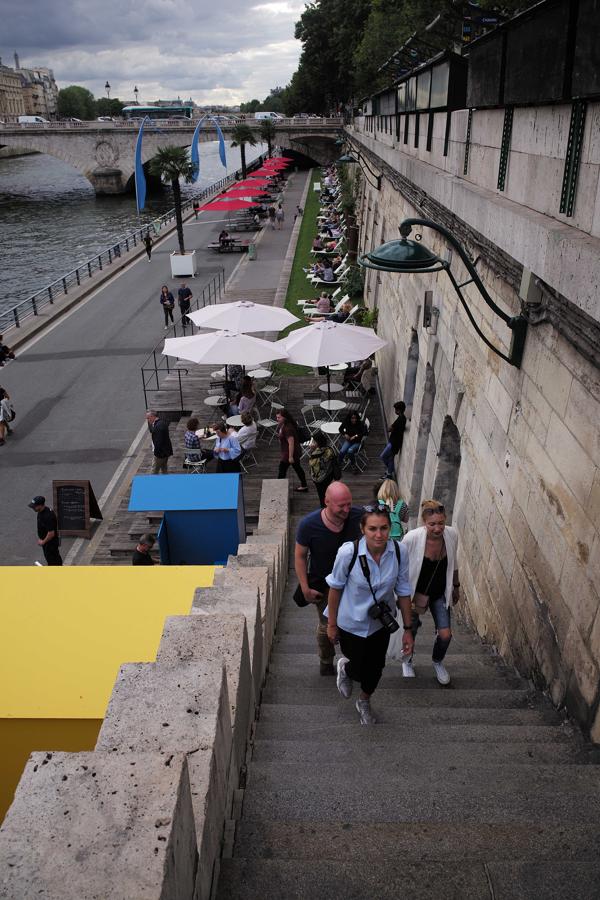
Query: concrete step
{"type": "Point", "coordinates": [479, 665]}
{"type": "Point", "coordinates": [309, 716]}
{"type": "Point", "coordinates": [498, 794]}
{"type": "Point", "coordinates": [441, 754]}
{"type": "Point", "coordinates": [412, 841]}
{"type": "Point", "coordinates": [419, 692]}
{"type": "Point", "coordinates": [293, 642]}
{"type": "Point", "coordinates": [354, 880]}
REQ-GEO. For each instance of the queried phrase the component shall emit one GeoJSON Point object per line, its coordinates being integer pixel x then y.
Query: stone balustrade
{"type": "Point", "coordinates": [144, 814]}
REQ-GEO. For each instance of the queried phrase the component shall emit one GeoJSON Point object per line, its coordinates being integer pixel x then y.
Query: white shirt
{"type": "Point", "coordinates": [247, 436]}
{"type": "Point", "coordinates": [387, 578]}
{"type": "Point", "coordinates": [414, 542]}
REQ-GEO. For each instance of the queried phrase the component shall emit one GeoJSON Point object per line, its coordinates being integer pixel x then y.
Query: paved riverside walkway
{"type": "Point", "coordinates": [77, 385]}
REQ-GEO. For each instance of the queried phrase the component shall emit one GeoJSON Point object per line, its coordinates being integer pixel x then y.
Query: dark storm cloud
{"type": "Point", "coordinates": [227, 51]}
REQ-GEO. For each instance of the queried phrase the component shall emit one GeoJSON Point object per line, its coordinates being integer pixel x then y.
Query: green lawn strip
{"type": "Point", "coordinates": [299, 287]}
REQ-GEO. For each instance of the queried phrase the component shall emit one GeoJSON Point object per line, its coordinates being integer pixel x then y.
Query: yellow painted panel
{"type": "Point", "coordinates": [64, 631]}
{"type": "Point", "coordinates": [20, 737]}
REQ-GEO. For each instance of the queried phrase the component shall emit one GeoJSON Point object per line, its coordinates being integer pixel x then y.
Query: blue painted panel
{"type": "Point", "coordinates": [201, 538]}
{"type": "Point", "coordinates": [163, 544]}
{"type": "Point", "coordinates": [170, 492]}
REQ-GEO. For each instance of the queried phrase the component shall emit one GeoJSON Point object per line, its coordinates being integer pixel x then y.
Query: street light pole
{"type": "Point", "coordinates": [135, 92]}
{"type": "Point", "coordinates": [107, 89]}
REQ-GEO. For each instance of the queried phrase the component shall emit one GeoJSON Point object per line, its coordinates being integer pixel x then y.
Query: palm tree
{"type": "Point", "coordinates": [267, 133]}
{"type": "Point", "coordinates": [242, 135]}
{"type": "Point", "coordinates": [171, 164]}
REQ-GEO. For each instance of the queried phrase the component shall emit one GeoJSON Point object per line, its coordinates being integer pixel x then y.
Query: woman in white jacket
{"type": "Point", "coordinates": [433, 575]}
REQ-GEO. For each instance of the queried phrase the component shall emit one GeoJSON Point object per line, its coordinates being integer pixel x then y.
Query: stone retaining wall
{"type": "Point", "coordinates": [144, 814]}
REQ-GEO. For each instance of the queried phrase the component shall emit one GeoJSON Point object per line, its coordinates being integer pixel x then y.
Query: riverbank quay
{"type": "Point", "coordinates": [76, 384]}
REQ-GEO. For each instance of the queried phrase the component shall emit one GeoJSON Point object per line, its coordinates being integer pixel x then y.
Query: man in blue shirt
{"type": "Point", "coordinates": [320, 535]}
{"type": "Point", "coordinates": [227, 449]}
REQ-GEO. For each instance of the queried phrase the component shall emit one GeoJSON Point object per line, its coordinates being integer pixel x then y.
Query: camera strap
{"type": "Point", "coordinates": [366, 572]}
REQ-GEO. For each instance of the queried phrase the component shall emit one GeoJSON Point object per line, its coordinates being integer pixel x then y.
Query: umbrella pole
{"type": "Point", "coordinates": [328, 384]}
{"type": "Point", "coordinates": [226, 385]}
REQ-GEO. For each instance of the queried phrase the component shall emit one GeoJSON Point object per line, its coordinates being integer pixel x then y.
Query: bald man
{"type": "Point", "coordinates": [319, 536]}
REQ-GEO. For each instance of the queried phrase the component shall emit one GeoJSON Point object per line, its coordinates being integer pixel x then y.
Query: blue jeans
{"type": "Point", "coordinates": [442, 618]}
{"type": "Point", "coordinates": [348, 449]}
{"type": "Point", "coordinates": [387, 458]}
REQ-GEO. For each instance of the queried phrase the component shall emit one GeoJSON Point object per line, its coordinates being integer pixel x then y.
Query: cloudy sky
{"type": "Point", "coordinates": [216, 51]}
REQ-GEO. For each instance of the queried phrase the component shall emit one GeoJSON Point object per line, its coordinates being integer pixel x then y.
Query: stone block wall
{"type": "Point", "coordinates": [513, 453]}
{"type": "Point", "coordinates": [144, 814]}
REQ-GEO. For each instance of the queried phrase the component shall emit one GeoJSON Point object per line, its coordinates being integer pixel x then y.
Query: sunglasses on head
{"type": "Point", "coordinates": [434, 509]}
{"type": "Point", "coordinates": [380, 508]}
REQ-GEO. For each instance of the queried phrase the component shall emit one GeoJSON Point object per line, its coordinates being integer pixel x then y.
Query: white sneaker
{"type": "Point", "coordinates": [441, 673]}
{"type": "Point", "coordinates": [364, 711]}
{"type": "Point", "coordinates": [343, 681]}
{"type": "Point", "coordinates": [407, 668]}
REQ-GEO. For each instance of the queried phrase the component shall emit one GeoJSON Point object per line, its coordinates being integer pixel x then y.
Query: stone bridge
{"type": "Point", "coordinates": [104, 151]}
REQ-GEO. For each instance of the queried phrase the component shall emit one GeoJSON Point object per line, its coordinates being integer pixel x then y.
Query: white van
{"type": "Point", "coordinates": [33, 120]}
{"type": "Point", "coordinates": [268, 115]}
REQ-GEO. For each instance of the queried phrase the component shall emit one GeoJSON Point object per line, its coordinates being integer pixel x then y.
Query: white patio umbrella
{"type": "Point", "coordinates": [243, 316]}
{"type": "Point", "coordinates": [328, 343]}
{"type": "Point", "coordinates": [223, 348]}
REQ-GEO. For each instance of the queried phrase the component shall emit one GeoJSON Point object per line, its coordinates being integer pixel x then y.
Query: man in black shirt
{"type": "Point", "coordinates": [184, 298]}
{"type": "Point", "coordinates": [141, 554]}
{"type": "Point", "coordinates": [47, 529]}
{"type": "Point", "coordinates": [394, 445]}
{"type": "Point", "coordinates": [321, 534]}
{"type": "Point", "coordinates": [161, 442]}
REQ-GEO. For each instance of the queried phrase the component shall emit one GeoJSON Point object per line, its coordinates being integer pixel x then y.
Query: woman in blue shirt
{"type": "Point", "coordinates": [363, 638]}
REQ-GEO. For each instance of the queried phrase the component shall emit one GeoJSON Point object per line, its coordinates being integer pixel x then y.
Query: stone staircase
{"type": "Point", "coordinates": [476, 790]}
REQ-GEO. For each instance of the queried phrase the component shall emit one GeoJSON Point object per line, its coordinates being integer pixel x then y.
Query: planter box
{"type": "Point", "coordinates": [183, 265]}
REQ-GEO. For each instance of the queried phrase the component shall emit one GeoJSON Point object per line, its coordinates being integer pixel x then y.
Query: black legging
{"type": "Point", "coordinates": [366, 655]}
{"type": "Point", "coordinates": [284, 466]}
{"type": "Point", "coordinates": [168, 311]}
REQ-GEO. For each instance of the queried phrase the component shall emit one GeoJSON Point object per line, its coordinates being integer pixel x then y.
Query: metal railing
{"type": "Point", "coordinates": [16, 315]}
{"type": "Point", "coordinates": [157, 364]}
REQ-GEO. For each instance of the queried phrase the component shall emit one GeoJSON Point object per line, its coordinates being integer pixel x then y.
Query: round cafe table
{"type": "Point", "coordinates": [234, 421]}
{"type": "Point", "coordinates": [339, 367]}
{"type": "Point", "coordinates": [332, 406]}
{"type": "Point", "coordinates": [333, 430]}
{"type": "Point", "coordinates": [214, 400]}
{"type": "Point", "coordinates": [220, 373]}
{"type": "Point", "coordinates": [334, 387]}
{"type": "Point", "coordinates": [260, 373]}
{"type": "Point", "coordinates": [211, 436]}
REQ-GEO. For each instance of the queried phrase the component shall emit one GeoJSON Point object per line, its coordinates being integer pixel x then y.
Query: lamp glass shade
{"type": "Point", "coordinates": [346, 158]}
{"type": "Point", "coordinates": [403, 256]}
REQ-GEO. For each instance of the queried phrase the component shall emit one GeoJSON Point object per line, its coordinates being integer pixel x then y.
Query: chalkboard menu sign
{"type": "Point", "coordinates": [75, 504]}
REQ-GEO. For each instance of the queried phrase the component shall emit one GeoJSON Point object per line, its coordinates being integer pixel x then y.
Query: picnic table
{"type": "Point", "coordinates": [230, 246]}
{"type": "Point", "coordinates": [244, 225]}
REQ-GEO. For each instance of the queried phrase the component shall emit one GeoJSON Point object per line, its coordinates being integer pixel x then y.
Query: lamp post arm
{"type": "Point", "coordinates": [465, 306]}
{"type": "Point", "coordinates": [408, 223]}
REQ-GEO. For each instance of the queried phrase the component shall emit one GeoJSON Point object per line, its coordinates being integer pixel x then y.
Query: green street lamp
{"type": "Point", "coordinates": [412, 257]}
{"type": "Point", "coordinates": [349, 158]}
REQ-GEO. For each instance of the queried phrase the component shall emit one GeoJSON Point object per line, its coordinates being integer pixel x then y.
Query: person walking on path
{"type": "Point", "coordinates": [47, 529]}
{"type": "Point", "coordinates": [161, 442]}
{"type": "Point", "coordinates": [7, 414]}
{"type": "Point", "coordinates": [361, 606]}
{"type": "Point", "coordinates": [141, 554]}
{"type": "Point", "coordinates": [319, 536]}
{"type": "Point", "coordinates": [167, 302]}
{"type": "Point", "coordinates": [289, 442]}
{"type": "Point", "coordinates": [184, 298]}
{"type": "Point", "coordinates": [279, 216]}
{"type": "Point", "coordinates": [196, 208]}
{"type": "Point", "coordinates": [433, 574]}
{"type": "Point", "coordinates": [148, 245]}
{"type": "Point", "coordinates": [272, 217]}
{"type": "Point", "coordinates": [388, 495]}
{"type": "Point", "coordinates": [323, 464]}
{"type": "Point", "coordinates": [396, 439]}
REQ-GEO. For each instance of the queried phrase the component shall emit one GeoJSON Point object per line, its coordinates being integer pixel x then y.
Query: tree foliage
{"type": "Point", "coordinates": [106, 107]}
{"type": "Point", "coordinates": [76, 102]}
{"type": "Point", "coordinates": [171, 164]}
{"type": "Point", "coordinates": [345, 42]}
{"type": "Point", "coordinates": [240, 136]}
{"type": "Point", "coordinates": [267, 133]}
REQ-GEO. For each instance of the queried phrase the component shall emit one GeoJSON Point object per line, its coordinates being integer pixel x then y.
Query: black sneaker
{"type": "Point", "coordinates": [327, 668]}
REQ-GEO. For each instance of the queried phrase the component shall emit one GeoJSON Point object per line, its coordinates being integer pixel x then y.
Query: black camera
{"type": "Point", "coordinates": [381, 611]}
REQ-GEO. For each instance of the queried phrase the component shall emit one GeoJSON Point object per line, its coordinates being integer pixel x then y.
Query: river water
{"type": "Point", "coordinates": [51, 221]}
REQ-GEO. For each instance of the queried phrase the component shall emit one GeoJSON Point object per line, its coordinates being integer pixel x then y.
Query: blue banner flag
{"type": "Point", "coordinates": [194, 153]}
{"type": "Point", "coordinates": [140, 178]}
{"type": "Point", "coordinates": [222, 153]}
